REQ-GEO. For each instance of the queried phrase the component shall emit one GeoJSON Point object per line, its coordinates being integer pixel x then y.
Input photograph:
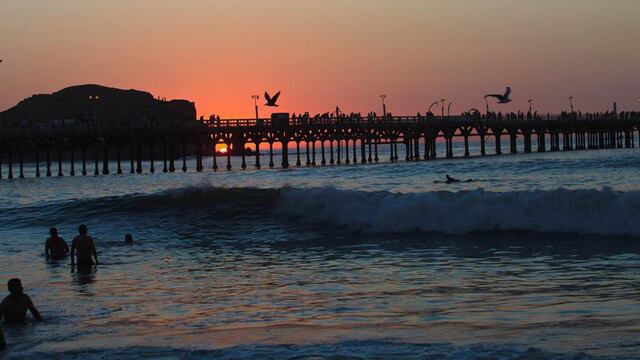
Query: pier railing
{"type": "Point", "coordinates": [301, 121]}
{"type": "Point", "coordinates": [394, 120]}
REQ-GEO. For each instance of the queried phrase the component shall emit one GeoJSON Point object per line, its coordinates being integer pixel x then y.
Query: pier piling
{"type": "Point", "coordinates": [350, 140]}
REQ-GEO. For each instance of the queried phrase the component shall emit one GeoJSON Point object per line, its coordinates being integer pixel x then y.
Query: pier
{"type": "Point", "coordinates": [301, 141]}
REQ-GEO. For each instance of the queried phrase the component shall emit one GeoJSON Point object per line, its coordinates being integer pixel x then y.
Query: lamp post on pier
{"type": "Point", "coordinates": [449, 108]}
{"type": "Point", "coordinates": [384, 107]}
{"type": "Point", "coordinates": [443, 101]}
{"type": "Point", "coordinates": [93, 99]}
{"type": "Point", "coordinates": [255, 103]}
{"type": "Point", "coordinates": [432, 105]}
{"type": "Point", "coordinates": [486, 104]}
{"type": "Point", "coordinates": [571, 102]}
{"type": "Point", "coordinates": [530, 102]}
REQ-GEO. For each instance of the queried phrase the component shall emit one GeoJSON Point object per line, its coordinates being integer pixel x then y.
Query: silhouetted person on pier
{"type": "Point", "coordinates": [86, 249]}
{"type": "Point", "coordinates": [13, 309]}
{"type": "Point", "coordinates": [128, 239]}
{"type": "Point", "coordinates": [55, 247]}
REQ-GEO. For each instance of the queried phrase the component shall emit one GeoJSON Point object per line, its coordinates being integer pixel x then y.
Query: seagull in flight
{"type": "Point", "coordinates": [502, 99]}
{"type": "Point", "coordinates": [271, 101]}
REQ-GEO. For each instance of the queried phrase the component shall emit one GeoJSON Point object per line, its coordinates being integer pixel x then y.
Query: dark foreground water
{"type": "Point", "coordinates": [539, 258]}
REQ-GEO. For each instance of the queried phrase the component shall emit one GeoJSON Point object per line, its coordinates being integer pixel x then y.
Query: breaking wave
{"type": "Point", "coordinates": [597, 212]}
{"type": "Point", "coordinates": [601, 212]}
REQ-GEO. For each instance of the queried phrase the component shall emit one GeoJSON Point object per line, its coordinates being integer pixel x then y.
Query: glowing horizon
{"type": "Point", "coordinates": [334, 52]}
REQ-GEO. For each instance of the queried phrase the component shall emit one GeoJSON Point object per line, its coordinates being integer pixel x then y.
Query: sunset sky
{"type": "Point", "coordinates": [218, 53]}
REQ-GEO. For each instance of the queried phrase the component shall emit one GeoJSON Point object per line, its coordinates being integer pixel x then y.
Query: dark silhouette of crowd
{"type": "Point", "coordinates": [510, 116]}
{"type": "Point", "coordinates": [612, 115]}
{"type": "Point", "coordinates": [338, 117]}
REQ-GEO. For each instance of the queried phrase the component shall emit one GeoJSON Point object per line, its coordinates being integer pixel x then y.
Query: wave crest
{"type": "Point", "coordinates": [589, 212]}
{"type": "Point", "coordinates": [601, 212]}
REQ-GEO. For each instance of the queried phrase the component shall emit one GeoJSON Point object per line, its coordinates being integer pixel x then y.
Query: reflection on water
{"type": "Point", "coordinates": [352, 350]}
{"type": "Point", "coordinates": [298, 286]}
{"type": "Point", "coordinates": [84, 275]}
{"type": "Point", "coordinates": [225, 275]}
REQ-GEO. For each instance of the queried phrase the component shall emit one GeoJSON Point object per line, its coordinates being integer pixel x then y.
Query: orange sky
{"type": "Point", "coordinates": [327, 53]}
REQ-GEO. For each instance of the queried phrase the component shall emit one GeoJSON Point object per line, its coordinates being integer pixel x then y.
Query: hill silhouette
{"type": "Point", "coordinates": [100, 105]}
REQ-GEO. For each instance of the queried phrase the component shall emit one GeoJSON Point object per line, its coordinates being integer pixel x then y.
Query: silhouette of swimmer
{"type": "Point", "coordinates": [86, 249]}
{"type": "Point", "coordinates": [454, 180]}
{"type": "Point", "coordinates": [128, 239]}
{"type": "Point", "coordinates": [55, 247]}
{"type": "Point", "coordinates": [450, 179]}
{"type": "Point", "coordinates": [14, 307]}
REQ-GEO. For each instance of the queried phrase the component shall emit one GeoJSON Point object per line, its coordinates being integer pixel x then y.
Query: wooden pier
{"type": "Point", "coordinates": [316, 142]}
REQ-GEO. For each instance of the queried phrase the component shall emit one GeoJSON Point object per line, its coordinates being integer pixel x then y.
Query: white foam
{"type": "Point", "coordinates": [603, 212]}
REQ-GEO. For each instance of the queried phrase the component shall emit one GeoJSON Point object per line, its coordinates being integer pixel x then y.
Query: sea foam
{"type": "Point", "coordinates": [593, 211]}
{"type": "Point", "coordinates": [601, 212]}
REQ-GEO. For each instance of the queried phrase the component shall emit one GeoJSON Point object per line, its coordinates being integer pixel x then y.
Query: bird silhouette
{"type": "Point", "coordinates": [271, 101]}
{"type": "Point", "coordinates": [502, 99]}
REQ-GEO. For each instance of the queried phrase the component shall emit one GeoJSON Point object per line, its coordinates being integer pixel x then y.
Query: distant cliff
{"type": "Point", "coordinates": [100, 105]}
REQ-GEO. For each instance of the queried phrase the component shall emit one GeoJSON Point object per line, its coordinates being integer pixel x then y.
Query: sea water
{"type": "Point", "coordinates": [538, 257]}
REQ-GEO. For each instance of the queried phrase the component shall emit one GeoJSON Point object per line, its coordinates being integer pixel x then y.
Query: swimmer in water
{"type": "Point", "coordinates": [13, 309]}
{"type": "Point", "coordinates": [84, 247]}
{"type": "Point", "coordinates": [454, 180]}
{"type": "Point", "coordinates": [128, 239]}
{"type": "Point", "coordinates": [55, 248]}
{"type": "Point", "coordinates": [450, 179]}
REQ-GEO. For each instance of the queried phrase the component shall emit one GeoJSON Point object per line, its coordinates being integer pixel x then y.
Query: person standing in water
{"type": "Point", "coordinates": [55, 247]}
{"type": "Point", "coordinates": [128, 239]}
{"type": "Point", "coordinates": [85, 248]}
{"type": "Point", "coordinates": [13, 309]}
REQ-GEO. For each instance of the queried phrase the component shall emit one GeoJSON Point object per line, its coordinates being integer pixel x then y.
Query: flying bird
{"type": "Point", "coordinates": [271, 101]}
{"type": "Point", "coordinates": [502, 99]}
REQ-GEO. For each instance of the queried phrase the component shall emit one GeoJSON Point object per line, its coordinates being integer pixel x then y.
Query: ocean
{"type": "Point", "coordinates": [537, 258]}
